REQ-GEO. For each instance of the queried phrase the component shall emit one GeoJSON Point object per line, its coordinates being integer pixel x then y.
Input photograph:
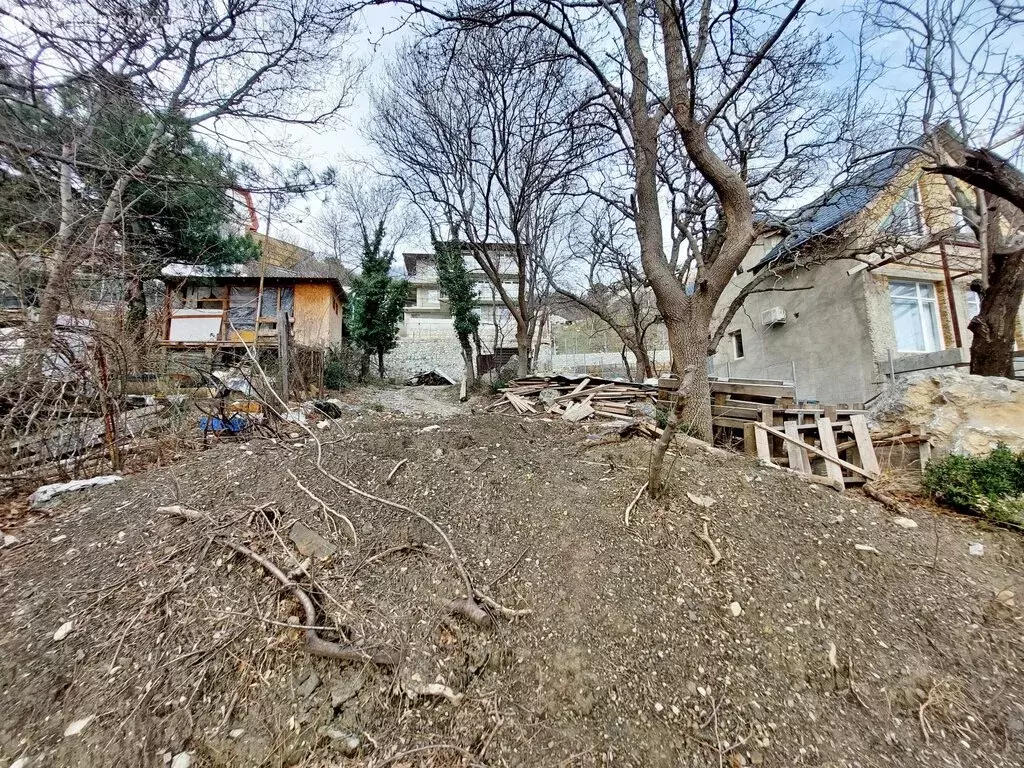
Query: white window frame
{"type": "Point", "coordinates": [911, 199]}
{"type": "Point", "coordinates": [972, 299]}
{"type": "Point", "coordinates": [738, 352]}
{"type": "Point", "coordinates": [925, 303]}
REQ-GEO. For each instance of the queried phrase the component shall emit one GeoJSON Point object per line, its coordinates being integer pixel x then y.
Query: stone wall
{"type": "Point", "coordinates": [413, 356]}
{"type": "Point", "coordinates": [964, 413]}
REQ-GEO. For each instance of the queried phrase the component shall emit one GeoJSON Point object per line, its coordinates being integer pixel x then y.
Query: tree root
{"type": "Point", "coordinates": [315, 645]}
{"type": "Point", "coordinates": [633, 503]}
{"type": "Point", "coordinates": [704, 536]}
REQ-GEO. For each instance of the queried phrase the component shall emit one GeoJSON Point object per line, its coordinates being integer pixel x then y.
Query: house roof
{"type": "Point", "coordinates": [306, 271]}
{"type": "Point", "coordinates": [841, 203]}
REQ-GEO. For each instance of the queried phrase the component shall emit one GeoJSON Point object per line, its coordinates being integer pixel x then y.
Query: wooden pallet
{"type": "Point", "coordinates": [854, 463]}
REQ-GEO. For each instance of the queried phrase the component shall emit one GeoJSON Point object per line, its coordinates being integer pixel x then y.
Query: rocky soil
{"type": "Point", "coordinates": [828, 635]}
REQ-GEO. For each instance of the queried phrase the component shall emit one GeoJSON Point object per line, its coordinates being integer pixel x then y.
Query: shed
{"type": "Point", "coordinates": [240, 304]}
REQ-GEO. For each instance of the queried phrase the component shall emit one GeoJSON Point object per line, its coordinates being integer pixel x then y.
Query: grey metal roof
{"type": "Point", "coordinates": [840, 204]}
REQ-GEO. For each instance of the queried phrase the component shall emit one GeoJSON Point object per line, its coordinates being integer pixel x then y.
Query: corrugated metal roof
{"type": "Point", "coordinates": [841, 203]}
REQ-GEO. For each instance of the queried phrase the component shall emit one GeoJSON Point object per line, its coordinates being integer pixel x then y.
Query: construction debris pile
{"type": "Point", "coordinates": [573, 399]}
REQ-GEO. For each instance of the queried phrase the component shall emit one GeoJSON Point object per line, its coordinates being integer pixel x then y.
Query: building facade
{"type": "Point", "coordinates": [870, 281]}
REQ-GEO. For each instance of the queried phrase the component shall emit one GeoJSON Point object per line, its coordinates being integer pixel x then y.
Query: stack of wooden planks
{"type": "Point", "coordinates": [576, 399]}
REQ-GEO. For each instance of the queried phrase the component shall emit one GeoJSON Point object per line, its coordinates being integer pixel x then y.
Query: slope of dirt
{"type": "Point", "coordinates": [798, 648]}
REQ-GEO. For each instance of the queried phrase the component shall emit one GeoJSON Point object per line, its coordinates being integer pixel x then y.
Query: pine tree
{"type": "Point", "coordinates": [377, 302]}
{"type": "Point", "coordinates": [453, 280]}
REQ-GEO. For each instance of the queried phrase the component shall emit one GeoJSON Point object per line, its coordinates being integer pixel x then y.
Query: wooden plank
{"type": "Point", "coordinates": [754, 390]}
{"type": "Point", "coordinates": [582, 385]}
{"type": "Point", "coordinates": [749, 439]}
{"type": "Point", "coordinates": [764, 451]}
{"type": "Point", "coordinates": [740, 380]}
{"type": "Point", "coordinates": [521, 403]}
{"type": "Point", "coordinates": [579, 393]}
{"type": "Point", "coordinates": [816, 451]}
{"type": "Point", "coordinates": [828, 446]}
{"type": "Point", "coordinates": [726, 422]}
{"type": "Point", "coordinates": [798, 459]}
{"type": "Point", "coordinates": [735, 413]}
{"type": "Point", "coordinates": [862, 435]}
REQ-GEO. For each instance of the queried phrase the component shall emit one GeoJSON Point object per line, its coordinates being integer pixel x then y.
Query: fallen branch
{"type": "Point", "coordinates": [633, 503]}
{"type": "Point", "coordinates": [385, 553]}
{"type": "Point", "coordinates": [429, 747]}
{"type": "Point", "coordinates": [507, 612]}
{"type": "Point", "coordinates": [704, 536]}
{"type": "Point", "coordinates": [885, 499]}
{"type": "Point", "coordinates": [467, 607]}
{"type": "Point", "coordinates": [315, 645]}
{"type": "Point", "coordinates": [414, 688]}
{"type": "Point", "coordinates": [326, 507]}
{"type": "Point", "coordinates": [391, 475]}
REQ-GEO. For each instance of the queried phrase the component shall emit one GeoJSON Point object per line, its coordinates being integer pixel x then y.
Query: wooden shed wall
{"type": "Point", "coordinates": [317, 315]}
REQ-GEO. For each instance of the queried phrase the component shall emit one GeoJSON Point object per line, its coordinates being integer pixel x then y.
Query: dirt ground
{"type": "Point", "coordinates": [828, 635]}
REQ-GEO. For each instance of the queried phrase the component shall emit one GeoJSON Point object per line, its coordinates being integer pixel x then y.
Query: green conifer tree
{"type": "Point", "coordinates": [377, 302]}
{"type": "Point", "coordinates": [453, 280]}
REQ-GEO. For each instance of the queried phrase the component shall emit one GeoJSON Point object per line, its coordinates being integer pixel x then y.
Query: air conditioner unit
{"type": "Point", "coordinates": [773, 316]}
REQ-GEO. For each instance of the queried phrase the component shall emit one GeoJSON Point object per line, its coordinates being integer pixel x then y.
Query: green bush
{"type": "Point", "coordinates": [334, 374]}
{"type": "Point", "coordinates": [990, 486]}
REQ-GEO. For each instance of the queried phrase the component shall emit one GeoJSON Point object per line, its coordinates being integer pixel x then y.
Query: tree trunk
{"type": "Point", "coordinates": [688, 341]}
{"type": "Point", "coordinates": [625, 362]}
{"type": "Point", "coordinates": [467, 358]}
{"type": "Point", "coordinates": [538, 338]}
{"type": "Point", "coordinates": [380, 363]}
{"type": "Point", "coordinates": [683, 395]}
{"type": "Point", "coordinates": [364, 367]}
{"type": "Point", "coordinates": [644, 366]}
{"type": "Point", "coordinates": [523, 352]}
{"type": "Point", "coordinates": [995, 326]}
{"type": "Point", "coordinates": [136, 313]}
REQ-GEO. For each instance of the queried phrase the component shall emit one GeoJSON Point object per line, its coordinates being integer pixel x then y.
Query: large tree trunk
{"type": "Point", "coordinates": [995, 326]}
{"type": "Point", "coordinates": [688, 341]}
{"type": "Point", "coordinates": [380, 363]}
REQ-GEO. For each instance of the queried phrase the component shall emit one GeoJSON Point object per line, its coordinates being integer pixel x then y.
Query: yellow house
{"type": "Point", "coordinates": [244, 303]}
{"type": "Point", "coordinates": [869, 281]}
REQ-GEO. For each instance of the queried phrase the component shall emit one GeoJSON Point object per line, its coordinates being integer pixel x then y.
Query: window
{"type": "Point", "coordinates": [737, 344]}
{"type": "Point", "coordinates": [963, 229]}
{"type": "Point", "coordinates": [973, 305]}
{"type": "Point", "coordinates": [915, 316]}
{"type": "Point", "coordinates": [905, 216]}
{"type": "Point", "coordinates": [432, 297]}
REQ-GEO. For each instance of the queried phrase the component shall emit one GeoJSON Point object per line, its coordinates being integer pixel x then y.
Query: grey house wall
{"type": "Point", "coordinates": [825, 340]}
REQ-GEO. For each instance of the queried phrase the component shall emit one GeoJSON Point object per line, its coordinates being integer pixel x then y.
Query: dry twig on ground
{"type": "Point", "coordinates": [704, 536]}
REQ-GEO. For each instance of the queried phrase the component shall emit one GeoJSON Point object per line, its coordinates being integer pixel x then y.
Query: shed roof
{"type": "Point", "coordinates": [306, 271]}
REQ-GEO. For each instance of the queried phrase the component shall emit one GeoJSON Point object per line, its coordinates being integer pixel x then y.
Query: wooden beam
{"type": "Point", "coordinates": [828, 446]}
{"type": "Point", "coordinates": [764, 451]}
{"type": "Point", "coordinates": [815, 450]}
{"type": "Point", "coordinates": [865, 449]}
{"type": "Point", "coordinates": [797, 456]}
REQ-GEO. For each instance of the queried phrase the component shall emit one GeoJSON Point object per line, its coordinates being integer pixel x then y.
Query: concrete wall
{"type": "Point", "coordinates": [824, 337]}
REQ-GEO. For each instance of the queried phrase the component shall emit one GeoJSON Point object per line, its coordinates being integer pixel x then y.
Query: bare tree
{"type": "Point", "coordinates": [488, 132]}
{"type": "Point", "coordinates": [358, 204]}
{"type": "Point", "coordinates": [684, 68]}
{"type": "Point", "coordinates": [962, 58]}
{"type": "Point", "coordinates": [602, 274]}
